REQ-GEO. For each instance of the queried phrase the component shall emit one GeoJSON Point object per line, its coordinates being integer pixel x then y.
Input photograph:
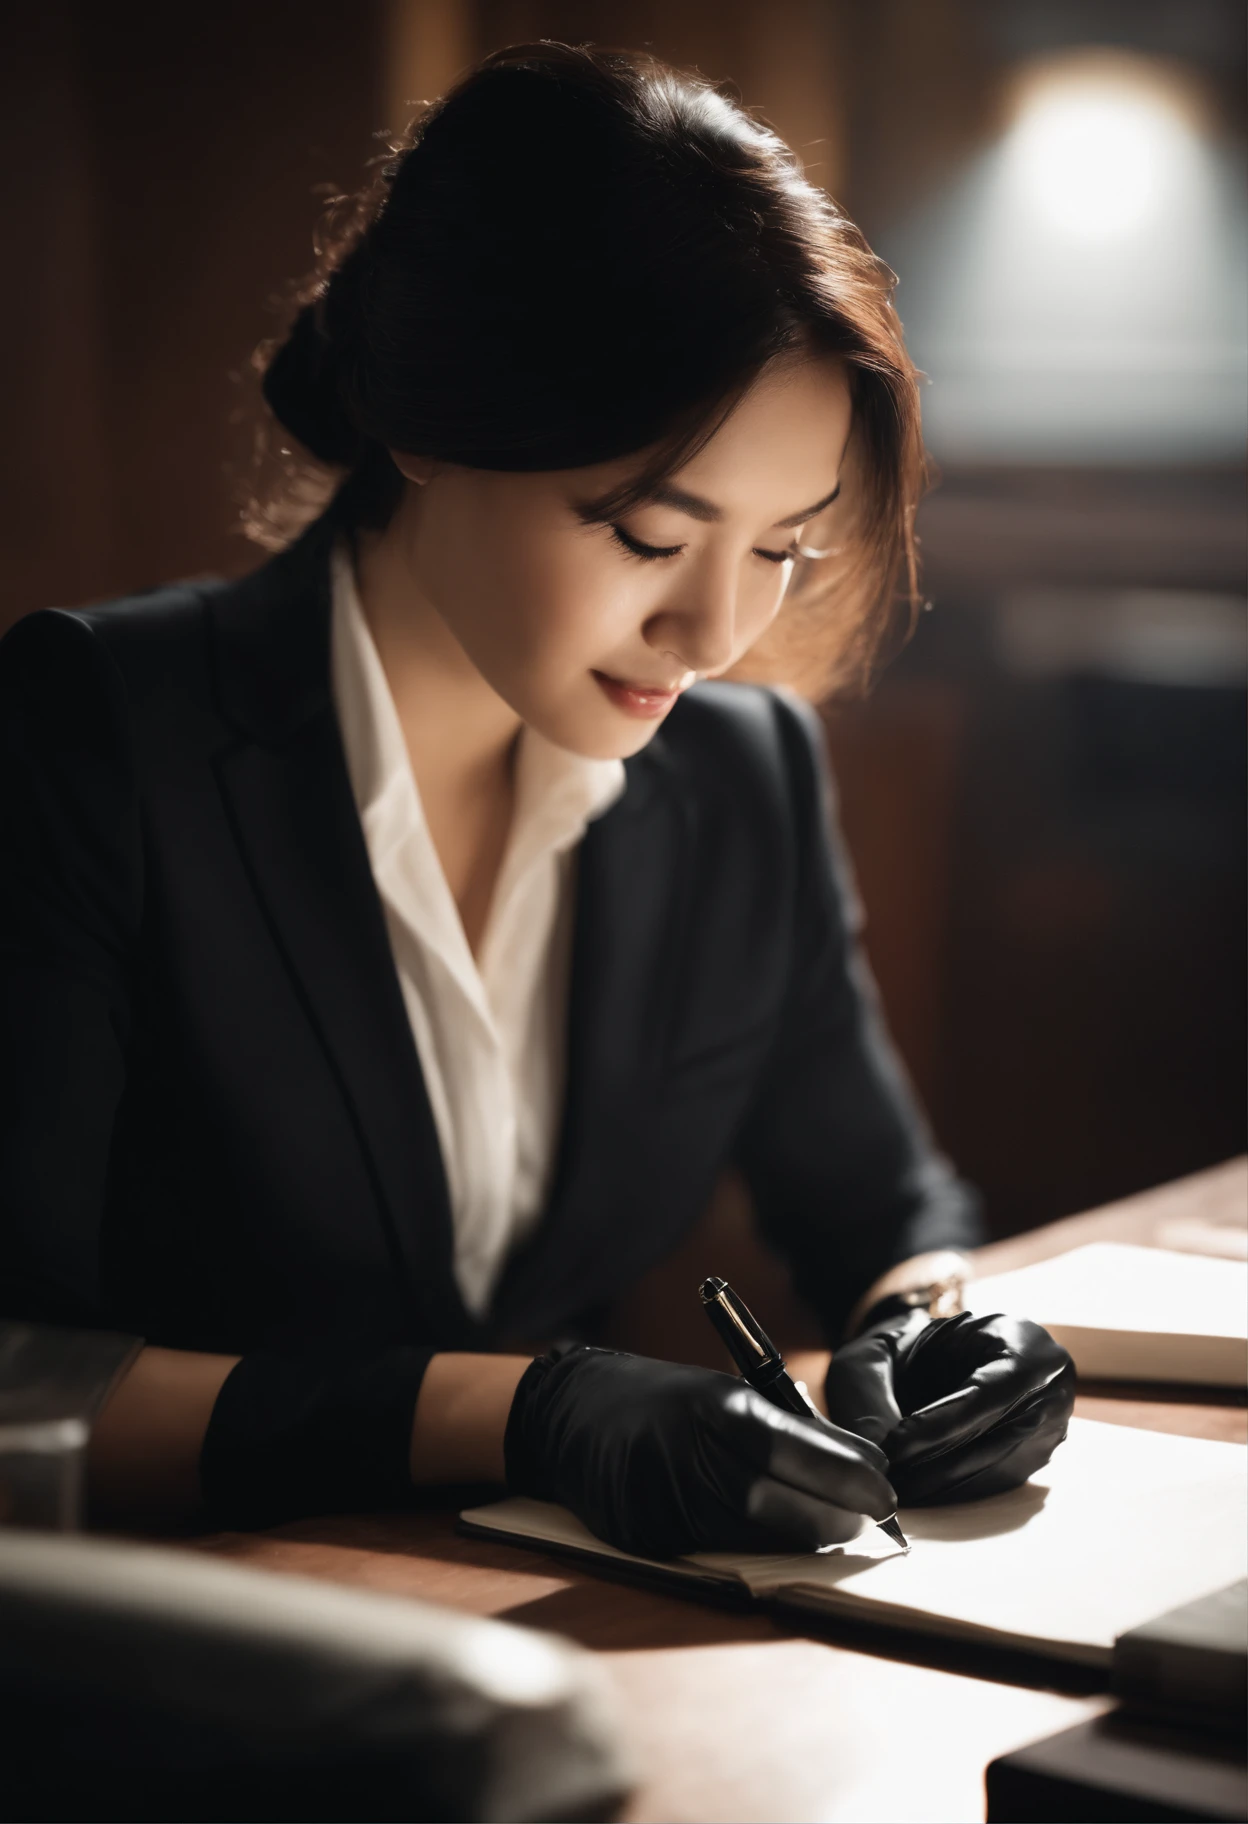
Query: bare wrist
{"type": "Point", "coordinates": [461, 1416]}
{"type": "Point", "coordinates": [942, 1268]}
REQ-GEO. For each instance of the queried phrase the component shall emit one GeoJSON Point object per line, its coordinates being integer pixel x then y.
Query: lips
{"type": "Point", "coordinates": [643, 700]}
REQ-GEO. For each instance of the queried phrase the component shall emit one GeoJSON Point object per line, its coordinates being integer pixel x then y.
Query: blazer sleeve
{"type": "Point", "coordinates": [843, 1170]}
{"type": "Point", "coordinates": [318, 1430]}
{"type": "Point", "coordinates": [71, 894]}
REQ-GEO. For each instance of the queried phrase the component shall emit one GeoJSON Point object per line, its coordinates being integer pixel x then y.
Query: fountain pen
{"type": "Point", "coordinates": [762, 1365]}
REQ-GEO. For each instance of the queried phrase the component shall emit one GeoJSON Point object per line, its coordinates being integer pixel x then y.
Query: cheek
{"type": "Point", "coordinates": [765, 604]}
{"type": "Point", "coordinates": [528, 604]}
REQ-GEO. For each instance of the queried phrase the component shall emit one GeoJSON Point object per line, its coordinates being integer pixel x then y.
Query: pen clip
{"type": "Point", "coordinates": [747, 1341]}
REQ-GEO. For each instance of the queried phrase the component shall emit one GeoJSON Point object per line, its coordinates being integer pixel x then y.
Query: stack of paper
{"type": "Point", "coordinates": [1136, 1314]}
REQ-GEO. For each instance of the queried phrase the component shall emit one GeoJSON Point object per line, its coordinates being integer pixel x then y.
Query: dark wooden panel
{"type": "Point", "coordinates": [168, 161]}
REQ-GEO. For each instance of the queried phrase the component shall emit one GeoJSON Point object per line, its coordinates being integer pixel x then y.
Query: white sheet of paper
{"type": "Point", "coordinates": [1138, 1313]}
{"type": "Point", "coordinates": [1120, 1526]}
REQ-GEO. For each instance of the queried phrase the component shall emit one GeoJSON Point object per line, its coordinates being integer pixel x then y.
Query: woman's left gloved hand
{"type": "Point", "coordinates": [962, 1406]}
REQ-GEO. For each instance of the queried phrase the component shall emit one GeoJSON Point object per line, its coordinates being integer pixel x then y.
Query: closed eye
{"type": "Point", "coordinates": [648, 553]}
{"type": "Point", "coordinates": [635, 547]}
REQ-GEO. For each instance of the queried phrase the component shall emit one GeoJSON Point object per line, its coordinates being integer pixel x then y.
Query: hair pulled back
{"type": "Point", "coordinates": [581, 254]}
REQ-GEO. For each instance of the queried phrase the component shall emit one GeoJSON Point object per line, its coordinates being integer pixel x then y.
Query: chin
{"type": "Point", "coordinates": [609, 737]}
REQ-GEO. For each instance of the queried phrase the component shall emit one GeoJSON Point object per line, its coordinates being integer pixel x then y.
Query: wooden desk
{"type": "Point", "coordinates": [734, 1718]}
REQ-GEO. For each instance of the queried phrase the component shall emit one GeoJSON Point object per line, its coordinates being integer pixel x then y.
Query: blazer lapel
{"type": "Point", "coordinates": [289, 797]}
{"type": "Point", "coordinates": [632, 898]}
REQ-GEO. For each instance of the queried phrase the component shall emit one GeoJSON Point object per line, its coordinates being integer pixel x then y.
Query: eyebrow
{"type": "Point", "coordinates": [706, 511]}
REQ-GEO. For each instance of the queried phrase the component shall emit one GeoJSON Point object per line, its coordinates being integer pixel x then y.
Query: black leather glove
{"type": "Point", "coordinates": [963, 1406]}
{"type": "Point", "coordinates": [657, 1458]}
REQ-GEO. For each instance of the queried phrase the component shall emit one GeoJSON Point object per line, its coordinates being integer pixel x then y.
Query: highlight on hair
{"type": "Point", "coordinates": [578, 255]}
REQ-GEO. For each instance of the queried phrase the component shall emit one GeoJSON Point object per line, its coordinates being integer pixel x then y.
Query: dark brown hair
{"type": "Point", "coordinates": [576, 255]}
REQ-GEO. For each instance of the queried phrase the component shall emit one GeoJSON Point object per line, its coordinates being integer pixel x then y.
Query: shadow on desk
{"type": "Point", "coordinates": [421, 1553]}
{"type": "Point", "coordinates": [1164, 1393]}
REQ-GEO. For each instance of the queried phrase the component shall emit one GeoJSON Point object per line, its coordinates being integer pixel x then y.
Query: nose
{"type": "Point", "coordinates": [700, 626]}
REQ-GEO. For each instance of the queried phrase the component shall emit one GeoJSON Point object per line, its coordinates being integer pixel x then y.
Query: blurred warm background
{"type": "Point", "coordinates": [1045, 795]}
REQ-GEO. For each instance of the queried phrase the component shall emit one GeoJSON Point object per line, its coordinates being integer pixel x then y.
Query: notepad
{"type": "Point", "coordinates": [1121, 1525]}
{"type": "Point", "coordinates": [1136, 1314]}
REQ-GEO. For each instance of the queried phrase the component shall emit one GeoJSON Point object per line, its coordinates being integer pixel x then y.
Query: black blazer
{"type": "Point", "coordinates": [215, 1128]}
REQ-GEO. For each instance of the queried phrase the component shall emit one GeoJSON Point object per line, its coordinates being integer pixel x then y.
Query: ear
{"type": "Point", "coordinates": [419, 469]}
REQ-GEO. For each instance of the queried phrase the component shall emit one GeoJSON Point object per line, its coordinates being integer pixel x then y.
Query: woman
{"type": "Point", "coordinates": [400, 941]}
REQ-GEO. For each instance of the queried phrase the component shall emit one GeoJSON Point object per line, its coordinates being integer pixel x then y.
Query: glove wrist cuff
{"type": "Point", "coordinates": [525, 1456]}
{"type": "Point", "coordinates": [522, 1459]}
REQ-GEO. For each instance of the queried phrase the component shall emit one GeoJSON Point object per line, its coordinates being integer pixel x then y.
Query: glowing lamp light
{"type": "Point", "coordinates": [1096, 158]}
{"type": "Point", "coordinates": [1080, 291]}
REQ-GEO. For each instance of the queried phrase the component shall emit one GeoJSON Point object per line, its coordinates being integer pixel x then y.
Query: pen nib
{"type": "Point", "coordinates": [894, 1532]}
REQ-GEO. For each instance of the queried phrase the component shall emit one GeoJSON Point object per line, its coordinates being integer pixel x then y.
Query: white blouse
{"type": "Point", "coordinates": [490, 1035]}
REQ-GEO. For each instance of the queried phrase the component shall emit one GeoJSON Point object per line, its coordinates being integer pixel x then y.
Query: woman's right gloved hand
{"type": "Point", "coordinates": [657, 1458]}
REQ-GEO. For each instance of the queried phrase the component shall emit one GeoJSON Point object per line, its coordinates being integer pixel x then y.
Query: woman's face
{"type": "Point", "coordinates": [590, 632]}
